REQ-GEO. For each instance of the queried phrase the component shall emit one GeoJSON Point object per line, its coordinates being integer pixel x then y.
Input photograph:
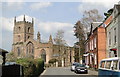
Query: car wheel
{"type": "Point", "coordinates": [86, 72]}
{"type": "Point", "coordinates": [76, 72]}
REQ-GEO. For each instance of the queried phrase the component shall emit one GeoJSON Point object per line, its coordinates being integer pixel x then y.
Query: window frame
{"type": "Point", "coordinates": [109, 65]}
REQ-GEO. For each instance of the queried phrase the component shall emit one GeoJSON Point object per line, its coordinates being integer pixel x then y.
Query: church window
{"type": "Point", "coordinates": [30, 48]}
{"type": "Point", "coordinates": [29, 30]}
{"type": "Point", "coordinates": [18, 28]}
{"type": "Point", "coordinates": [28, 37]}
{"type": "Point", "coordinates": [18, 50]}
{"type": "Point", "coordinates": [43, 55]}
{"type": "Point", "coordinates": [115, 38]}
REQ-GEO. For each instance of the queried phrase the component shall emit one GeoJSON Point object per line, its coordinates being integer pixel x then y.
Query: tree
{"type": "Point", "coordinates": [79, 33]}
{"type": "Point", "coordinates": [11, 57]}
{"type": "Point", "coordinates": [60, 42]}
{"type": "Point", "coordinates": [59, 38]}
{"type": "Point", "coordinates": [109, 12]}
{"type": "Point", "coordinates": [89, 17]}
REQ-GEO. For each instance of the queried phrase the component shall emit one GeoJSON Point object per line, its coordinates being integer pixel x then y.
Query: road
{"type": "Point", "coordinates": [64, 72]}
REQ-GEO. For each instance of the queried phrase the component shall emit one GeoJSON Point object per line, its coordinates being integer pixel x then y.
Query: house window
{"type": "Point", "coordinates": [109, 38]}
{"type": "Point", "coordinates": [95, 42]}
{"type": "Point", "coordinates": [92, 44]}
{"type": "Point", "coordinates": [87, 47]}
{"type": "Point", "coordinates": [115, 39]}
{"type": "Point", "coordinates": [95, 59]}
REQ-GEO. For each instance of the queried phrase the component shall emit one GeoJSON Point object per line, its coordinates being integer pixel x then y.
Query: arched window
{"type": "Point", "coordinates": [28, 29]}
{"type": "Point", "coordinates": [19, 29]}
{"type": "Point", "coordinates": [18, 50]}
{"type": "Point", "coordinates": [43, 55]}
{"type": "Point", "coordinates": [28, 37]}
{"type": "Point", "coordinates": [30, 49]}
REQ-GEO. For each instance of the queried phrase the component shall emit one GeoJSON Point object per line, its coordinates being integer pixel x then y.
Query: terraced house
{"type": "Point", "coordinates": [113, 33]}
{"type": "Point", "coordinates": [95, 45]}
{"type": "Point", "coordinates": [104, 40]}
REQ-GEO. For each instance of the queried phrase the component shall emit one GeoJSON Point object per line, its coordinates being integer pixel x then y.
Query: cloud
{"type": "Point", "coordinates": [7, 23]}
{"type": "Point", "coordinates": [53, 26]}
{"type": "Point", "coordinates": [45, 28]}
{"type": "Point", "coordinates": [40, 5]}
{"type": "Point", "coordinates": [101, 5]}
{"type": "Point", "coordinates": [13, 6]}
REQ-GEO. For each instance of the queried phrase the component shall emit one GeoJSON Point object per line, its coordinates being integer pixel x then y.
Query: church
{"type": "Point", "coordinates": [24, 45]}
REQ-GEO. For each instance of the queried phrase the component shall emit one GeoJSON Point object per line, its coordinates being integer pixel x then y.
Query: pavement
{"type": "Point", "coordinates": [93, 72]}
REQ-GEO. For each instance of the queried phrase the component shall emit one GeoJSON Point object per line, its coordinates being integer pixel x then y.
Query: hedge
{"type": "Point", "coordinates": [31, 67]}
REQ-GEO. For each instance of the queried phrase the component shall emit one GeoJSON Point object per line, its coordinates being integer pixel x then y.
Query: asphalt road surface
{"type": "Point", "coordinates": [63, 72]}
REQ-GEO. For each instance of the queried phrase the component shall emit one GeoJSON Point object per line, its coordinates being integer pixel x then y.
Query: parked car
{"type": "Point", "coordinates": [74, 65]}
{"type": "Point", "coordinates": [80, 68]}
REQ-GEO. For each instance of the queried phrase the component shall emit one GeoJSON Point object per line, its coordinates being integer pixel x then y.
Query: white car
{"type": "Point", "coordinates": [73, 66]}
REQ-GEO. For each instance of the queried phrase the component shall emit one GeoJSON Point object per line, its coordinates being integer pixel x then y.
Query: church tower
{"type": "Point", "coordinates": [23, 30]}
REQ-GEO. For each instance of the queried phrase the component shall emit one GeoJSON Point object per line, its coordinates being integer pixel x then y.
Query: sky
{"type": "Point", "coordinates": [49, 17]}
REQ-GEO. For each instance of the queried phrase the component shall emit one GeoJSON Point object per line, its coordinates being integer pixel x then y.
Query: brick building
{"type": "Point", "coordinates": [95, 46]}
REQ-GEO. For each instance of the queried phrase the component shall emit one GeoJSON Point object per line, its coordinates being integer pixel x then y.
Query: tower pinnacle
{"type": "Point", "coordinates": [50, 39]}
{"type": "Point", "coordinates": [15, 19]}
{"type": "Point", "coordinates": [32, 21]}
{"type": "Point", "coordinates": [24, 18]}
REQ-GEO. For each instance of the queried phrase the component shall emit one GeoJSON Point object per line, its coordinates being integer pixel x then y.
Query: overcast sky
{"type": "Point", "coordinates": [48, 17]}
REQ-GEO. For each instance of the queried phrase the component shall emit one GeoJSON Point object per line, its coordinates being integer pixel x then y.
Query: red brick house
{"type": "Point", "coordinates": [95, 46]}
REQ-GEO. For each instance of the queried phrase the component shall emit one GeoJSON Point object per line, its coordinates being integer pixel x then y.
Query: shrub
{"type": "Point", "coordinates": [31, 67]}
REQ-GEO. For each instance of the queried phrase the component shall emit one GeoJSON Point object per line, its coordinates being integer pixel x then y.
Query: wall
{"type": "Point", "coordinates": [101, 44]}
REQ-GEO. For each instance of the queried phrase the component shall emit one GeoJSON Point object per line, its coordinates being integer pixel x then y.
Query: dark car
{"type": "Point", "coordinates": [81, 69]}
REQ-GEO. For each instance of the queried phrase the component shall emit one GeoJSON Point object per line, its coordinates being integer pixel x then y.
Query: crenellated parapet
{"type": "Point", "coordinates": [23, 22]}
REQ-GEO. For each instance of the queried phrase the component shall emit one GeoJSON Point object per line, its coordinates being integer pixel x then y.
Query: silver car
{"type": "Point", "coordinates": [74, 65]}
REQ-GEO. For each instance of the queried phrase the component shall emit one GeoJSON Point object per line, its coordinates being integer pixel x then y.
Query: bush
{"type": "Point", "coordinates": [31, 67]}
{"type": "Point", "coordinates": [52, 61]}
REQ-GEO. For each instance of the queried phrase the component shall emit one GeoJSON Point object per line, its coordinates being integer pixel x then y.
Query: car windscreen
{"type": "Point", "coordinates": [74, 64]}
{"type": "Point", "coordinates": [81, 65]}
